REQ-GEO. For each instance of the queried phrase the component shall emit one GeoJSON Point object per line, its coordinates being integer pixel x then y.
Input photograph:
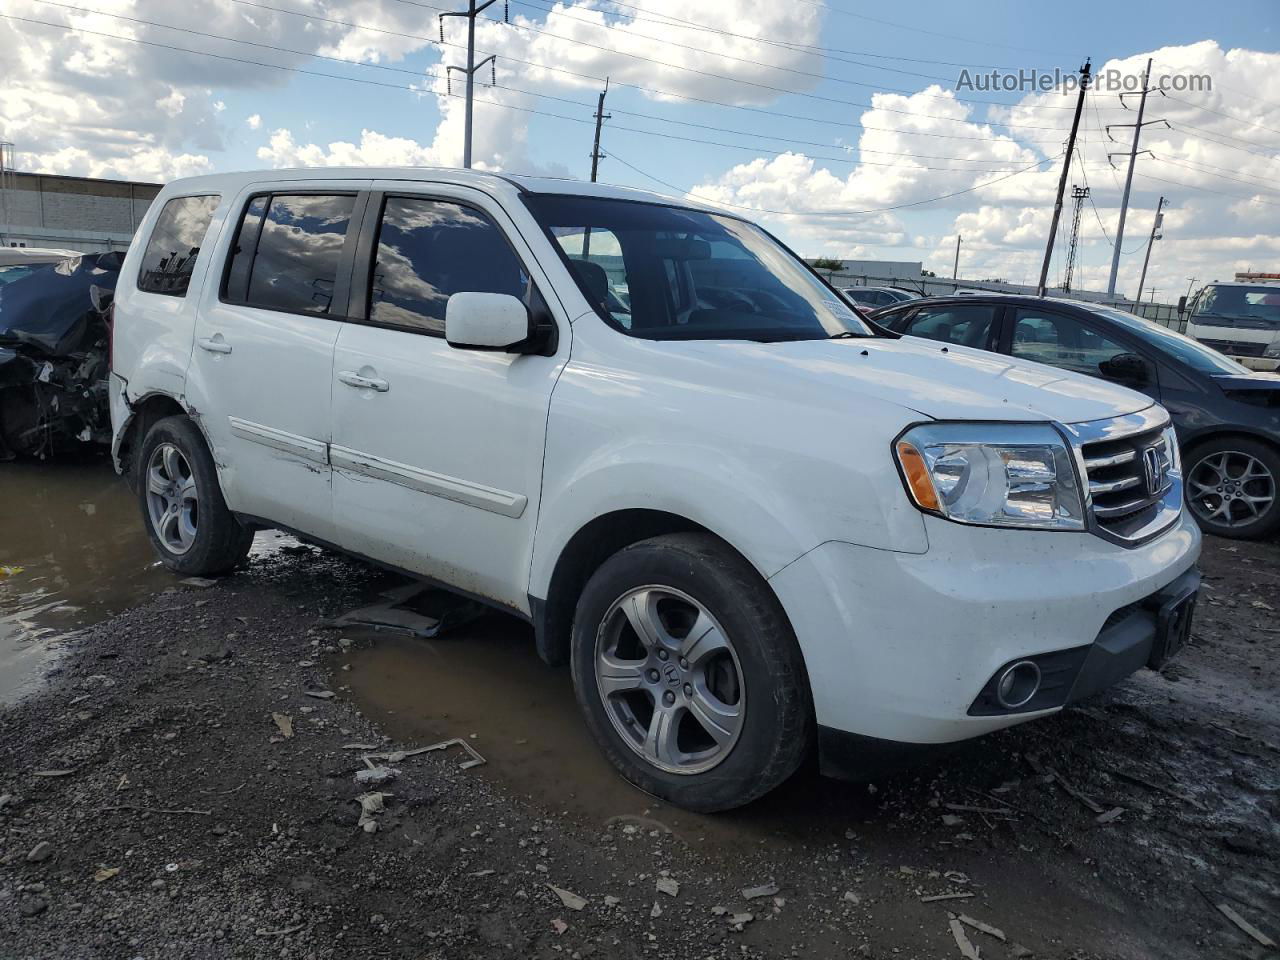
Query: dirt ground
{"type": "Point", "coordinates": [177, 790]}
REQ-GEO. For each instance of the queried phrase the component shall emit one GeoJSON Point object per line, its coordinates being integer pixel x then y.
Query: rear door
{"type": "Point", "coordinates": [437, 451]}
{"type": "Point", "coordinates": [262, 369]}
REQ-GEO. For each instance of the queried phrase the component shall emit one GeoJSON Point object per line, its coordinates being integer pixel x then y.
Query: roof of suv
{"type": "Point", "coordinates": [494, 183]}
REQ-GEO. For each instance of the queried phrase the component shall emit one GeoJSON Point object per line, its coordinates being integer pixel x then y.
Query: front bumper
{"type": "Point", "coordinates": [899, 646]}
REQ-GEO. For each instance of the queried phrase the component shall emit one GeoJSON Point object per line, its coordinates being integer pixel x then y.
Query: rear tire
{"type": "Point", "coordinates": [1233, 487]}
{"type": "Point", "coordinates": [689, 674]}
{"type": "Point", "coordinates": [182, 506]}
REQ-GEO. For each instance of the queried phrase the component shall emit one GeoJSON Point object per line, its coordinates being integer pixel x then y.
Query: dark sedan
{"type": "Point", "coordinates": [1227, 417]}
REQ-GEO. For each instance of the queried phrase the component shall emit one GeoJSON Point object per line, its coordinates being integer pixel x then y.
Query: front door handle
{"type": "Point", "coordinates": [214, 344]}
{"type": "Point", "coordinates": [353, 379]}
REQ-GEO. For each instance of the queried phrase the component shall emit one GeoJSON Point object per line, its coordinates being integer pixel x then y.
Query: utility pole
{"type": "Point", "coordinates": [955, 269]}
{"type": "Point", "coordinates": [470, 69]}
{"type": "Point", "coordinates": [601, 117]}
{"type": "Point", "coordinates": [1062, 180]}
{"type": "Point", "coordinates": [1128, 180]}
{"type": "Point", "coordinates": [1078, 195]}
{"type": "Point", "coordinates": [1155, 235]}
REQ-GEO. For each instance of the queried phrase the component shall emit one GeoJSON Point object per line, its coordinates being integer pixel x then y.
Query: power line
{"type": "Point", "coordinates": [1189, 186]}
{"type": "Point", "coordinates": [1250, 123]}
{"type": "Point", "coordinates": [613, 155]}
{"type": "Point", "coordinates": [655, 91]}
{"type": "Point", "coordinates": [739, 81]}
{"type": "Point", "coordinates": [1216, 176]}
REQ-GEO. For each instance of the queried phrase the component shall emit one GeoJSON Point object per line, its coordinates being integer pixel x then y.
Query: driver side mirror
{"type": "Point", "coordinates": [486, 321]}
{"type": "Point", "coordinates": [1125, 366]}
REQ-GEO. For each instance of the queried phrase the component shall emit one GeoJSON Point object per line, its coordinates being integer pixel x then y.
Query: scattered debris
{"type": "Point", "coordinates": [201, 583]}
{"type": "Point", "coordinates": [52, 773]}
{"type": "Point", "coordinates": [41, 852]}
{"type": "Point", "coordinates": [656, 912]}
{"type": "Point", "coordinates": [610, 901]}
{"type": "Point", "coordinates": [375, 774]}
{"type": "Point", "coordinates": [395, 756]}
{"type": "Point", "coordinates": [948, 896]}
{"type": "Point", "coordinates": [739, 920]}
{"type": "Point", "coordinates": [559, 925]}
{"type": "Point", "coordinates": [1073, 791]}
{"type": "Point", "coordinates": [764, 890]}
{"type": "Point", "coordinates": [320, 694]}
{"type": "Point", "coordinates": [284, 723]}
{"type": "Point", "coordinates": [10, 570]}
{"type": "Point", "coordinates": [668, 885]}
{"type": "Point", "coordinates": [570, 900]}
{"type": "Point", "coordinates": [179, 811]}
{"type": "Point", "coordinates": [370, 805]}
{"type": "Point", "coordinates": [990, 811]}
{"type": "Point", "coordinates": [482, 873]}
{"type": "Point", "coordinates": [284, 932]}
{"type": "Point", "coordinates": [105, 873]}
{"type": "Point", "coordinates": [967, 949]}
{"type": "Point", "coordinates": [1111, 815]}
{"type": "Point", "coordinates": [5, 800]}
{"type": "Point", "coordinates": [951, 820]}
{"type": "Point", "coordinates": [983, 927]}
{"type": "Point", "coordinates": [634, 820]}
{"type": "Point", "coordinates": [1226, 910]}
{"type": "Point", "coordinates": [852, 897]}
{"type": "Point", "coordinates": [359, 746]}
{"type": "Point", "coordinates": [416, 609]}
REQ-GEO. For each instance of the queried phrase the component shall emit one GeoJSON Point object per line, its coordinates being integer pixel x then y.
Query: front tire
{"type": "Point", "coordinates": [182, 506]}
{"type": "Point", "coordinates": [1233, 487]}
{"type": "Point", "coordinates": [689, 674]}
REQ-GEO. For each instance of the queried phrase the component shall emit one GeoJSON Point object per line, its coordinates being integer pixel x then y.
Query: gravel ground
{"type": "Point", "coordinates": [175, 791]}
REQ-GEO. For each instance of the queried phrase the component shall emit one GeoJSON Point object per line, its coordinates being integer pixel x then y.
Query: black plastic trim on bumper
{"type": "Point", "coordinates": [1125, 643]}
{"type": "Point", "coordinates": [851, 756]}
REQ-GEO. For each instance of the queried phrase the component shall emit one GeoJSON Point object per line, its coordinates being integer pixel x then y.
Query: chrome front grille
{"type": "Point", "coordinates": [1135, 489]}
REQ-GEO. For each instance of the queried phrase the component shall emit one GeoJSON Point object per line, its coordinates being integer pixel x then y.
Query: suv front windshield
{"type": "Point", "coordinates": [1240, 305]}
{"type": "Point", "coordinates": [673, 273]}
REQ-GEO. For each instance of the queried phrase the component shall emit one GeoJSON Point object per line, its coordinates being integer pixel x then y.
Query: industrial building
{"type": "Point", "coordinates": [71, 213]}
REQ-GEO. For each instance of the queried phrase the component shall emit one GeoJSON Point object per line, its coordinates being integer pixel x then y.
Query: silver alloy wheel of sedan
{"type": "Point", "coordinates": [670, 679]}
{"type": "Point", "coordinates": [173, 502]}
{"type": "Point", "coordinates": [1231, 488]}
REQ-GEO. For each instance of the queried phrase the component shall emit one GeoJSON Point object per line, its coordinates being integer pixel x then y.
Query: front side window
{"type": "Point", "coordinates": [1191, 352]}
{"type": "Point", "coordinates": [667, 273]}
{"type": "Point", "coordinates": [1062, 341]}
{"type": "Point", "coordinates": [966, 324]}
{"type": "Point", "coordinates": [293, 265]}
{"type": "Point", "coordinates": [175, 244]}
{"type": "Point", "coordinates": [431, 249]}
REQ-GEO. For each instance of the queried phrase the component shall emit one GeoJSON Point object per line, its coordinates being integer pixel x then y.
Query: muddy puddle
{"type": "Point", "coordinates": [484, 682]}
{"type": "Point", "coordinates": [72, 553]}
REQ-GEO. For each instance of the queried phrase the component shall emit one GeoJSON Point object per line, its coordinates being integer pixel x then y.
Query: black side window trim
{"type": "Point", "coordinates": [366, 250]}
{"type": "Point", "coordinates": [180, 294]}
{"type": "Point", "coordinates": [340, 305]}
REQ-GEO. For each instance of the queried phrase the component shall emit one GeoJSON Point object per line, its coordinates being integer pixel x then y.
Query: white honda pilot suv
{"type": "Point", "coordinates": [754, 527]}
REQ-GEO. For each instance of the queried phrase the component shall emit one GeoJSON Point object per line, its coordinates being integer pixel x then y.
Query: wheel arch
{"type": "Point", "coordinates": [144, 413]}
{"type": "Point", "coordinates": [1202, 437]}
{"type": "Point", "coordinates": [583, 552]}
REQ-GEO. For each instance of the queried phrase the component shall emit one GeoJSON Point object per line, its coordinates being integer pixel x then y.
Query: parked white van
{"type": "Point", "coordinates": [753, 527]}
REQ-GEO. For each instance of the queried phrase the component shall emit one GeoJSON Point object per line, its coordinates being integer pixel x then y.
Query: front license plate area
{"type": "Point", "coordinates": [1173, 629]}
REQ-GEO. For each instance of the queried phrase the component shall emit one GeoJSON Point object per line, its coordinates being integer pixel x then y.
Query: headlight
{"type": "Point", "coordinates": [992, 474]}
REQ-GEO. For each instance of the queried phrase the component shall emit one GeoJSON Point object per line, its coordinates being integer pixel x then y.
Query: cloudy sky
{"type": "Point", "coordinates": [853, 130]}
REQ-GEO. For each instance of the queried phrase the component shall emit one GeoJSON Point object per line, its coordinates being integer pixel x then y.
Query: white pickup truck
{"type": "Point", "coordinates": [753, 527]}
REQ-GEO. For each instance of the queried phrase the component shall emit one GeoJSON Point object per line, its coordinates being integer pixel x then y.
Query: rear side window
{"type": "Point", "coordinates": [967, 324]}
{"type": "Point", "coordinates": [175, 244]}
{"type": "Point", "coordinates": [431, 249]}
{"type": "Point", "coordinates": [287, 252]}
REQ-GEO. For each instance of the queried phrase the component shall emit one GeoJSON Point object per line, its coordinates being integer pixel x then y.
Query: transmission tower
{"type": "Point", "coordinates": [1078, 194]}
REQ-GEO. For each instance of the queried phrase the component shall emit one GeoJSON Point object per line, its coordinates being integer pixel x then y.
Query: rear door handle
{"type": "Point", "coordinates": [214, 344]}
{"type": "Point", "coordinates": [353, 379]}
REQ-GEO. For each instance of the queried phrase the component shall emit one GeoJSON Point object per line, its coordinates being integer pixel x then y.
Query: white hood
{"type": "Point", "coordinates": [939, 381]}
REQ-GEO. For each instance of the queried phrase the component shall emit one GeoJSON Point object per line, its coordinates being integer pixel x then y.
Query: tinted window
{"type": "Point", "coordinates": [689, 274]}
{"type": "Point", "coordinates": [1195, 355]}
{"type": "Point", "coordinates": [429, 250]}
{"type": "Point", "coordinates": [174, 245]}
{"type": "Point", "coordinates": [966, 324]}
{"type": "Point", "coordinates": [1062, 341]}
{"type": "Point", "coordinates": [294, 265]}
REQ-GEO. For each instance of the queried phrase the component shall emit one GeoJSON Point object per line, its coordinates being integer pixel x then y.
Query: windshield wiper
{"type": "Point", "coordinates": [849, 335]}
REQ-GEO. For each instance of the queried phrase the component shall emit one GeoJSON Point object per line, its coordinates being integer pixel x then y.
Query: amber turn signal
{"type": "Point", "coordinates": [916, 473]}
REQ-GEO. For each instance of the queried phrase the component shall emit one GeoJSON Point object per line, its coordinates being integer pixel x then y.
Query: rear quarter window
{"type": "Point", "coordinates": [174, 245]}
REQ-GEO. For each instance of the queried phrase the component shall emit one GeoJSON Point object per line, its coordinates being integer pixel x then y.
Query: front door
{"type": "Point", "coordinates": [437, 451]}
{"type": "Point", "coordinates": [261, 373]}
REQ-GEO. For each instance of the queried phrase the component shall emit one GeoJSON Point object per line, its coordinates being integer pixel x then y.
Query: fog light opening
{"type": "Point", "coordinates": [1017, 684]}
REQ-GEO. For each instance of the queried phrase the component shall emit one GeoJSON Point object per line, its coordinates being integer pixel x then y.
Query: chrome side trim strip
{"type": "Point", "coordinates": [314, 450]}
{"type": "Point", "coordinates": [436, 484]}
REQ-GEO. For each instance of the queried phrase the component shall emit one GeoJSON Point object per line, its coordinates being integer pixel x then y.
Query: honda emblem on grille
{"type": "Point", "coordinates": [1154, 469]}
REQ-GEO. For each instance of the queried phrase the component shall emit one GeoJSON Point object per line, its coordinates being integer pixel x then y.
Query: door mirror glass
{"type": "Point", "coordinates": [1124, 366]}
{"type": "Point", "coordinates": [486, 321]}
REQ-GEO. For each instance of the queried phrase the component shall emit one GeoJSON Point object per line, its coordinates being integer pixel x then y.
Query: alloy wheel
{"type": "Point", "coordinates": [1231, 489]}
{"type": "Point", "coordinates": [173, 502]}
{"type": "Point", "coordinates": [670, 681]}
